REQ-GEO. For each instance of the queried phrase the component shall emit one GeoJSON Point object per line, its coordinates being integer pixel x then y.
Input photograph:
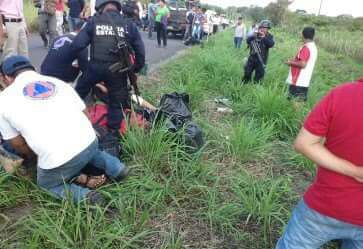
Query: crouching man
{"type": "Point", "coordinates": [45, 116]}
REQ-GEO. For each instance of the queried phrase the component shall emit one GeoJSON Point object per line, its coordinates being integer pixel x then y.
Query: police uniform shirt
{"type": "Point", "coordinates": [58, 62]}
{"type": "Point", "coordinates": [93, 31]}
{"type": "Point", "coordinates": [49, 115]}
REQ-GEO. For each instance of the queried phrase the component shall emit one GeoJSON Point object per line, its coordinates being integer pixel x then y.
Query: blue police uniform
{"type": "Point", "coordinates": [58, 62]}
{"type": "Point", "coordinates": [98, 33]}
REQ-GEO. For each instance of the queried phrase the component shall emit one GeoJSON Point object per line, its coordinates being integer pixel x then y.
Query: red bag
{"type": "Point", "coordinates": [98, 114]}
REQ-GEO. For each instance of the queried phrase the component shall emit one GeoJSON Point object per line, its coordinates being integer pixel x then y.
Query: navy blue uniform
{"type": "Point", "coordinates": [253, 62]}
{"type": "Point", "coordinates": [98, 33]}
{"type": "Point", "coordinates": [58, 62]}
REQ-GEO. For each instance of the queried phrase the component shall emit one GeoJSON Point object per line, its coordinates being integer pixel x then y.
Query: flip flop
{"type": "Point", "coordinates": [96, 181]}
{"type": "Point", "coordinates": [91, 182]}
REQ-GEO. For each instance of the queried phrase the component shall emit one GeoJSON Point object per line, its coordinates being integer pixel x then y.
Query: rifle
{"type": "Point", "coordinates": [122, 50]}
{"type": "Point", "coordinates": [133, 81]}
{"type": "Point", "coordinates": [257, 51]}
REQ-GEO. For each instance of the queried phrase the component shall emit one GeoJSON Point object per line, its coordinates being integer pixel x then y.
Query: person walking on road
{"type": "Point", "coordinates": [43, 117]}
{"type": "Point", "coordinates": [76, 7]}
{"type": "Point", "coordinates": [13, 30]}
{"type": "Point", "coordinates": [47, 21]}
{"type": "Point", "coordinates": [189, 23]}
{"type": "Point", "coordinates": [331, 208]}
{"type": "Point", "coordinates": [151, 9]}
{"type": "Point", "coordinates": [161, 21]}
{"type": "Point", "coordinates": [106, 63]}
{"type": "Point", "coordinates": [302, 67]}
{"type": "Point", "coordinates": [59, 11]}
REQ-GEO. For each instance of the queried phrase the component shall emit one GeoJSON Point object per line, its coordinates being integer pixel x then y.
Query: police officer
{"type": "Point", "coordinates": [99, 32]}
{"type": "Point", "coordinates": [61, 62]}
{"type": "Point", "coordinates": [259, 43]}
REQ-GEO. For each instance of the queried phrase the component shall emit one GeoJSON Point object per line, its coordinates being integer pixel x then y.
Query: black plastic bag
{"type": "Point", "coordinates": [175, 108]}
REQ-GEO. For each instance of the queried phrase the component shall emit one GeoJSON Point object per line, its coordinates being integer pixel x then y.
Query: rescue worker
{"type": "Point", "coordinates": [259, 45]}
{"type": "Point", "coordinates": [61, 62]}
{"type": "Point", "coordinates": [99, 33]}
{"type": "Point", "coordinates": [38, 116]}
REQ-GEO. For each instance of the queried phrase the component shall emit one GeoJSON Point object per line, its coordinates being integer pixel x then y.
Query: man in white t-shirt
{"type": "Point", "coordinates": [43, 116]}
{"type": "Point", "coordinates": [302, 66]}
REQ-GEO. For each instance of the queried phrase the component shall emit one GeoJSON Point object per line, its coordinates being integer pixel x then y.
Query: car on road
{"type": "Point", "coordinates": [177, 22]}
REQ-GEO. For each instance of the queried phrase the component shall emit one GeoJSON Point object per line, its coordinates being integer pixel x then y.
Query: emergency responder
{"type": "Point", "coordinates": [99, 32]}
{"type": "Point", "coordinates": [259, 45]}
{"type": "Point", "coordinates": [61, 62]}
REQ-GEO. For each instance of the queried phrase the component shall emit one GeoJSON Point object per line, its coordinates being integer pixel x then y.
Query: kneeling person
{"type": "Point", "coordinates": [38, 114]}
{"type": "Point", "coordinates": [60, 59]}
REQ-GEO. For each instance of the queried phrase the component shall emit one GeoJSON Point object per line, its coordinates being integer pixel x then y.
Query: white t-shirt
{"type": "Point", "coordinates": [48, 113]}
{"type": "Point", "coordinates": [302, 76]}
{"type": "Point", "coordinates": [92, 5]}
{"type": "Point", "coordinates": [239, 31]}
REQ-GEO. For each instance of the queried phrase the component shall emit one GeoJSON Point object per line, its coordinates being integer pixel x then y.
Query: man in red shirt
{"type": "Point", "coordinates": [332, 207]}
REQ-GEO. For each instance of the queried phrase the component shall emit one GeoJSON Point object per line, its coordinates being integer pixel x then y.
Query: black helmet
{"type": "Point", "coordinates": [100, 3]}
{"type": "Point", "coordinates": [15, 63]}
{"type": "Point", "coordinates": [265, 24]}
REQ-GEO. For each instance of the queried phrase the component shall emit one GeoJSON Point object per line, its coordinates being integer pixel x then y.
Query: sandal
{"type": "Point", "coordinates": [91, 182]}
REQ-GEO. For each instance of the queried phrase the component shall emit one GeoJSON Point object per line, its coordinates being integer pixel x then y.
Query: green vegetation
{"type": "Point", "coordinates": [236, 193]}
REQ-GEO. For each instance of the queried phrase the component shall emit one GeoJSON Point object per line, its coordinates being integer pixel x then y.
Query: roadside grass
{"type": "Point", "coordinates": [237, 192]}
{"type": "Point", "coordinates": [31, 15]}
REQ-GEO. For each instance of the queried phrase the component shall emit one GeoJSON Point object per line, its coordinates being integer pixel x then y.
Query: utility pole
{"type": "Point", "coordinates": [321, 3]}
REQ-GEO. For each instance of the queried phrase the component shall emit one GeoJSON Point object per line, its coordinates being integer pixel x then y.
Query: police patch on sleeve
{"type": "Point", "coordinates": [39, 90]}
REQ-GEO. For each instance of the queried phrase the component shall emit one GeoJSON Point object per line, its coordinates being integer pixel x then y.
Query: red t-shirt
{"type": "Point", "coordinates": [339, 118]}
{"type": "Point", "coordinates": [302, 55]}
{"type": "Point", "coordinates": [59, 5]}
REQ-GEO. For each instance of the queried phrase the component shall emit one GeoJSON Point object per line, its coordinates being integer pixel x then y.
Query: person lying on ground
{"type": "Point", "coordinates": [331, 208]}
{"type": "Point", "coordinates": [302, 66]}
{"type": "Point", "coordinates": [44, 117]}
{"type": "Point", "coordinates": [61, 62]}
{"type": "Point", "coordinates": [98, 111]}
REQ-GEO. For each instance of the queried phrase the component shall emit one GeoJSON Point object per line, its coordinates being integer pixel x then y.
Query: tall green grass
{"type": "Point", "coordinates": [240, 187]}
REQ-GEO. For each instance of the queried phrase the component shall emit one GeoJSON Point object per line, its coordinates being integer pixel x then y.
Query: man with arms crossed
{"type": "Point", "coordinates": [332, 207]}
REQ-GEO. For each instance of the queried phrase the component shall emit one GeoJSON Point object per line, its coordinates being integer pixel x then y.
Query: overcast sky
{"type": "Point", "coordinates": [329, 7]}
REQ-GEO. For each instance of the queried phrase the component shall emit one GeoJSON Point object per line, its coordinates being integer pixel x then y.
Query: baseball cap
{"type": "Point", "coordinates": [15, 63]}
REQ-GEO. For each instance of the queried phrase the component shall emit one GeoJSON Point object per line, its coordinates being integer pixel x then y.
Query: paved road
{"type": "Point", "coordinates": [154, 55]}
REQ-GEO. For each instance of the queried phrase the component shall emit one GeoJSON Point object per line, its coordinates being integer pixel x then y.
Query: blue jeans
{"type": "Point", "coordinates": [238, 42]}
{"type": "Point", "coordinates": [56, 181]}
{"type": "Point", "coordinates": [308, 229]}
{"type": "Point", "coordinates": [73, 22]}
{"type": "Point", "coordinates": [197, 32]}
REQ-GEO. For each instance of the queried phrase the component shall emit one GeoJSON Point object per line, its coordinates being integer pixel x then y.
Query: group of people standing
{"type": "Point", "coordinates": [52, 17]}
{"type": "Point", "coordinates": [195, 20]}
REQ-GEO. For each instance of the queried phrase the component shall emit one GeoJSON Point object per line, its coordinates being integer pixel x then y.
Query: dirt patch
{"type": "Point", "coordinates": [182, 226]}
{"type": "Point", "coordinates": [11, 215]}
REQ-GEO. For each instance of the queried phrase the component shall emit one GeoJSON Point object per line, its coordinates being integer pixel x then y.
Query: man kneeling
{"type": "Point", "coordinates": [44, 117]}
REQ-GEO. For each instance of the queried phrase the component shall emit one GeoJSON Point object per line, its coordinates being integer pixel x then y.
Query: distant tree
{"type": "Point", "coordinates": [256, 13]}
{"type": "Point", "coordinates": [276, 11]}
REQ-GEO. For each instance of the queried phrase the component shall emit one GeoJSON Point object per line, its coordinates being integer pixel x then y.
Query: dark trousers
{"type": "Point", "coordinates": [253, 64]}
{"type": "Point", "coordinates": [161, 33]}
{"type": "Point", "coordinates": [116, 83]}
